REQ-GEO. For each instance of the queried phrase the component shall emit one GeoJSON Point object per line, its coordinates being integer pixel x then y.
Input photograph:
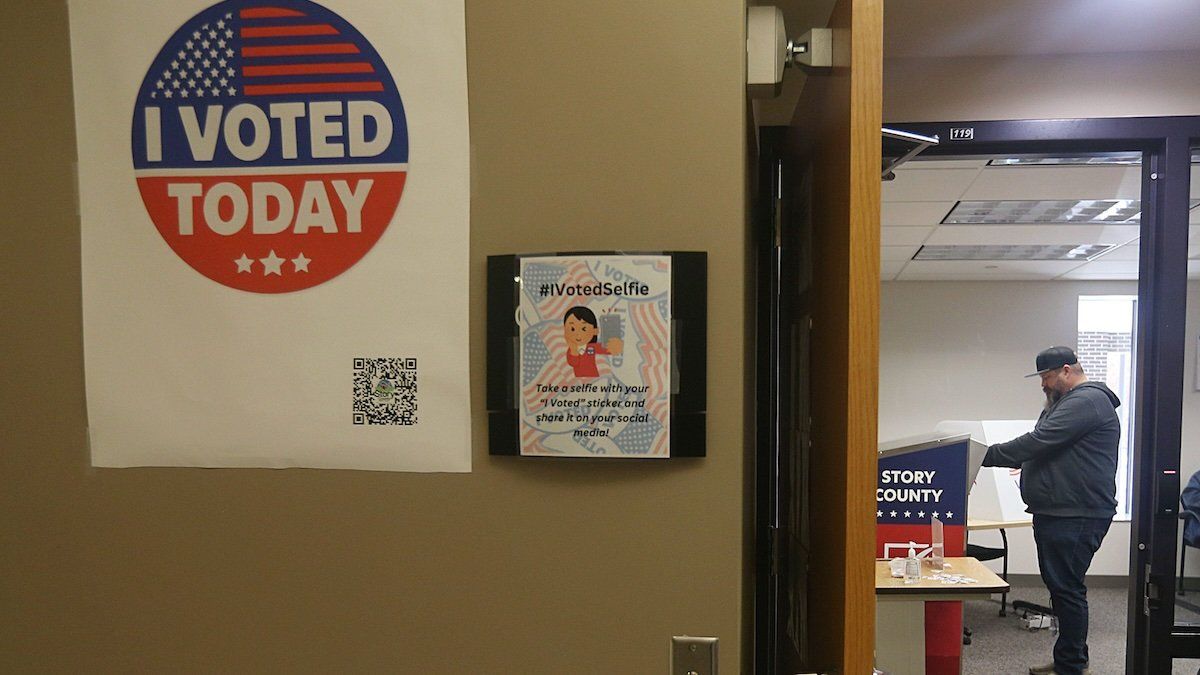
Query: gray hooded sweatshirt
{"type": "Point", "coordinates": [1069, 461]}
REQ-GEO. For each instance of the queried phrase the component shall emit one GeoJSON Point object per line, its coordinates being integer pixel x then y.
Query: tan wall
{"type": "Point", "coordinates": [1039, 87]}
{"type": "Point", "coordinates": [594, 125]}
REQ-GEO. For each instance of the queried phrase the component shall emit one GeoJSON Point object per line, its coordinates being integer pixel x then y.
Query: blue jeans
{"type": "Point", "coordinates": [1065, 547]}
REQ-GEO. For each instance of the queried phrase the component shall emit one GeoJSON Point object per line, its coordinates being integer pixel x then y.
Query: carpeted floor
{"type": "Point", "coordinates": [1000, 646]}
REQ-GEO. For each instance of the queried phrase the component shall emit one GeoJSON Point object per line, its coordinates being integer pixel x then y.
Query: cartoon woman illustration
{"type": "Point", "coordinates": [580, 330]}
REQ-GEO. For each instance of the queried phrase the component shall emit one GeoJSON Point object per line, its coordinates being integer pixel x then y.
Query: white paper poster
{"type": "Point", "coordinates": [595, 356]}
{"type": "Point", "coordinates": [274, 207]}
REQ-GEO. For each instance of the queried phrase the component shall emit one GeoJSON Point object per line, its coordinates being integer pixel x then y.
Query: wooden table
{"type": "Point", "coordinates": [900, 610]}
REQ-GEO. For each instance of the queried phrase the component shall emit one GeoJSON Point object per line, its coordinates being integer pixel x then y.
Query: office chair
{"type": "Point", "coordinates": [1189, 515]}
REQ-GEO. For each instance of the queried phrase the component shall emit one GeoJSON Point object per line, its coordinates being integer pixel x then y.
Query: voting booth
{"type": "Point", "coordinates": [996, 494]}
{"type": "Point", "coordinates": [921, 479]}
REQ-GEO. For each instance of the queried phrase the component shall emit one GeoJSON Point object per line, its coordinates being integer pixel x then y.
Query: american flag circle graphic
{"type": "Point", "coordinates": [270, 144]}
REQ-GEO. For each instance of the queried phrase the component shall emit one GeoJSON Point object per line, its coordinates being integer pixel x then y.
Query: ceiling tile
{"type": "Point", "coordinates": [898, 253]}
{"type": "Point", "coordinates": [1105, 269]}
{"type": "Point", "coordinates": [928, 185]}
{"type": "Point", "coordinates": [904, 236]}
{"type": "Point", "coordinates": [910, 275]}
{"type": "Point", "coordinates": [920, 163]}
{"type": "Point", "coordinates": [1031, 234]}
{"type": "Point", "coordinates": [889, 269]}
{"type": "Point", "coordinates": [987, 269]}
{"type": "Point", "coordinates": [914, 214]}
{"type": "Point", "coordinates": [1056, 182]}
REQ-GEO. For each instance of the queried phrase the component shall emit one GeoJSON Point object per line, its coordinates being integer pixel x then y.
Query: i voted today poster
{"type": "Point", "coordinates": [274, 202]}
{"type": "Point", "coordinates": [595, 356]}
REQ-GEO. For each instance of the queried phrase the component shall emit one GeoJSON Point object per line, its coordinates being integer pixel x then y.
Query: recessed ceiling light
{"type": "Point", "coordinates": [1106, 159]}
{"type": "Point", "coordinates": [1103, 159]}
{"type": "Point", "coordinates": [1049, 211]}
{"type": "Point", "coordinates": [1080, 252]}
{"type": "Point", "coordinates": [1074, 211]}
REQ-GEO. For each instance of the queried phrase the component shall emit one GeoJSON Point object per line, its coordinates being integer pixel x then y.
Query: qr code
{"type": "Point", "coordinates": [385, 391]}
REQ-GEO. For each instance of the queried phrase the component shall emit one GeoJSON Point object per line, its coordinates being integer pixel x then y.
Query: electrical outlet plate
{"type": "Point", "coordinates": [693, 655]}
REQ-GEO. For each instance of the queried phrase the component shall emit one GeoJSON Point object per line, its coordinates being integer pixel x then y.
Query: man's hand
{"type": "Point", "coordinates": [614, 346]}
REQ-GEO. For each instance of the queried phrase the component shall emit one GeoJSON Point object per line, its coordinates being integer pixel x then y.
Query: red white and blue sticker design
{"type": "Point", "coordinates": [270, 144]}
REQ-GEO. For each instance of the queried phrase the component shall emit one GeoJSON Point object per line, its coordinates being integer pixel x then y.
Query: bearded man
{"type": "Point", "coordinates": [1068, 481]}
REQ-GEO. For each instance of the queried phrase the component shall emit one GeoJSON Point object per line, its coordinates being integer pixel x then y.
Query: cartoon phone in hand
{"type": "Point", "coordinates": [581, 331]}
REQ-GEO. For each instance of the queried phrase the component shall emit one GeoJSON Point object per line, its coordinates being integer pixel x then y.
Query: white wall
{"type": "Point", "coordinates": [959, 350]}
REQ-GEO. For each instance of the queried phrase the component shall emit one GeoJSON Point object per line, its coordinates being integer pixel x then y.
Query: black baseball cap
{"type": "Point", "coordinates": [1053, 359]}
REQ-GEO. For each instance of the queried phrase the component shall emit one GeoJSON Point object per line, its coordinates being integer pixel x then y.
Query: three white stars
{"type": "Point", "coordinates": [272, 264]}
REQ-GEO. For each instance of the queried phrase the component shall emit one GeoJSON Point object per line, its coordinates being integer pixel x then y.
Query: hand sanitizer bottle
{"type": "Point", "coordinates": [912, 567]}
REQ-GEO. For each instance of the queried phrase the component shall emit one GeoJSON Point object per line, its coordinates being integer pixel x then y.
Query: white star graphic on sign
{"type": "Point", "coordinates": [301, 263]}
{"type": "Point", "coordinates": [195, 34]}
{"type": "Point", "coordinates": [216, 92]}
{"type": "Point", "coordinates": [175, 65]}
{"type": "Point", "coordinates": [879, 514]}
{"type": "Point", "coordinates": [232, 91]}
{"type": "Point", "coordinates": [159, 84]}
{"type": "Point", "coordinates": [908, 514]}
{"type": "Point", "coordinates": [154, 94]}
{"type": "Point", "coordinates": [920, 514]}
{"type": "Point", "coordinates": [244, 263]}
{"type": "Point", "coordinates": [222, 62]}
{"type": "Point", "coordinates": [175, 83]}
{"type": "Point", "coordinates": [935, 514]}
{"type": "Point", "coordinates": [893, 514]}
{"type": "Point", "coordinates": [181, 55]}
{"type": "Point", "coordinates": [183, 93]}
{"type": "Point", "coordinates": [168, 93]}
{"type": "Point", "coordinates": [271, 264]}
{"type": "Point", "coordinates": [221, 23]}
{"type": "Point", "coordinates": [167, 74]}
{"type": "Point", "coordinates": [200, 92]}
{"type": "Point", "coordinates": [949, 514]}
